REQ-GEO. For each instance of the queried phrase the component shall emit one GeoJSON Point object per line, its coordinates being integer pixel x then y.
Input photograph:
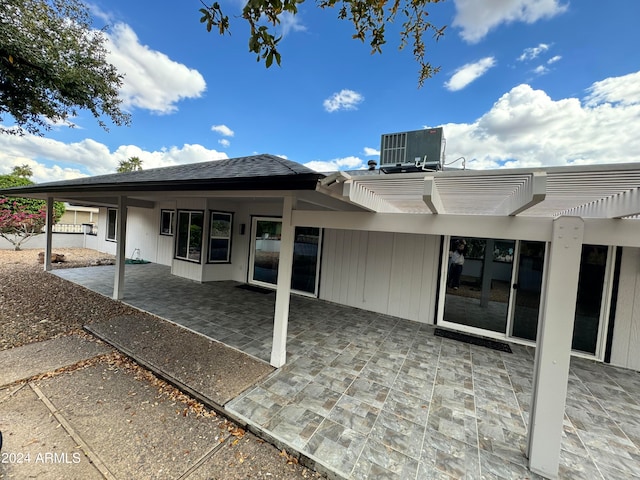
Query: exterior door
{"type": "Point", "coordinates": [528, 290]}
{"type": "Point", "coordinates": [265, 255]}
{"type": "Point", "coordinates": [477, 294]}
{"type": "Point", "coordinates": [485, 301]}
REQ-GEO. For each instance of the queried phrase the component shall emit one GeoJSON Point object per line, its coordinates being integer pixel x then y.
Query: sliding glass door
{"type": "Point", "coordinates": [497, 290]}
{"type": "Point", "coordinates": [265, 255]}
{"type": "Point", "coordinates": [477, 291]}
{"type": "Point", "coordinates": [528, 290]}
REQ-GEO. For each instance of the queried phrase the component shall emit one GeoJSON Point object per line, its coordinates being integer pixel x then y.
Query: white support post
{"type": "Point", "coordinates": [121, 236]}
{"type": "Point", "coordinates": [553, 349]}
{"type": "Point", "coordinates": [283, 291]}
{"type": "Point", "coordinates": [48, 248]}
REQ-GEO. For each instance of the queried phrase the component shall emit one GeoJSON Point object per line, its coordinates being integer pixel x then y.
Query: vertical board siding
{"type": "Point", "coordinates": [389, 273]}
{"type": "Point", "coordinates": [625, 350]}
{"type": "Point", "coordinates": [142, 232]}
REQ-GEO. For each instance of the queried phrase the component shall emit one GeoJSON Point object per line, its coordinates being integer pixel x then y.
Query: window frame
{"type": "Point", "coordinates": [229, 238]}
{"type": "Point", "coordinates": [190, 212]}
{"type": "Point", "coordinates": [172, 221]}
{"type": "Point", "coordinates": [115, 225]}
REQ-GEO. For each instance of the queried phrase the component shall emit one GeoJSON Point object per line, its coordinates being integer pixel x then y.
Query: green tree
{"type": "Point", "coordinates": [368, 17]}
{"type": "Point", "coordinates": [22, 171]}
{"type": "Point", "coordinates": [53, 64]}
{"type": "Point", "coordinates": [133, 164]}
{"type": "Point", "coordinates": [23, 218]}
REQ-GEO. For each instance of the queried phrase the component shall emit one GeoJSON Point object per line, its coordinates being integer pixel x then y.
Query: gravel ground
{"type": "Point", "coordinates": [36, 306]}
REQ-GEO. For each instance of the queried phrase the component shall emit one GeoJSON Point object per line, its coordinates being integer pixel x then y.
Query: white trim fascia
{"type": "Point", "coordinates": [509, 228]}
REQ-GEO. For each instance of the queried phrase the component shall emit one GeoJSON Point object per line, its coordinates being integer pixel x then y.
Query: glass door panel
{"type": "Point", "coordinates": [528, 290]}
{"type": "Point", "coordinates": [306, 250]}
{"type": "Point", "coordinates": [477, 293]}
{"type": "Point", "coordinates": [590, 288]}
{"type": "Point", "coordinates": [266, 255]}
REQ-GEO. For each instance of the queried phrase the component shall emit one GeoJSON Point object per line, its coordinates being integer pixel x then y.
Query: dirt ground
{"type": "Point", "coordinates": [36, 306]}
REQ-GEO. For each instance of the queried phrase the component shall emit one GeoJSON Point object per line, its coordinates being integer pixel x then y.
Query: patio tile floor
{"type": "Point", "coordinates": [373, 396]}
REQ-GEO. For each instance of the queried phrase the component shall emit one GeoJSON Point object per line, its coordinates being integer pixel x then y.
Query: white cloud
{"type": "Point", "coordinates": [540, 70]}
{"type": "Point", "coordinates": [223, 130]}
{"type": "Point", "coordinates": [533, 52]}
{"type": "Point", "coordinates": [526, 128]}
{"type": "Point", "coordinates": [224, 142]}
{"type": "Point", "coordinates": [346, 163]}
{"type": "Point", "coordinates": [554, 59]}
{"type": "Point", "coordinates": [371, 152]}
{"type": "Point", "coordinates": [476, 18]}
{"type": "Point", "coordinates": [343, 100]}
{"type": "Point", "coordinates": [290, 23]}
{"type": "Point", "coordinates": [152, 80]}
{"type": "Point", "coordinates": [468, 73]}
{"type": "Point", "coordinates": [53, 160]}
{"type": "Point", "coordinates": [624, 90]}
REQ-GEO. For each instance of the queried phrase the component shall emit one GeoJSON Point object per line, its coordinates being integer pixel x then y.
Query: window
{"type": "Point", "coordinates": [220, 237]}
{"type": "Point", "coordinates": [189, 239]}
{"type": "Point", "coordinates": [166, 222]}
{"type": "Point", "coordinates": [112, 219]}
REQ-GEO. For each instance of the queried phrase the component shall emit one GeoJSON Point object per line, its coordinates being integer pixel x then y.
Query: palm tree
{"type": "Point", "coordinates": [133, 164]}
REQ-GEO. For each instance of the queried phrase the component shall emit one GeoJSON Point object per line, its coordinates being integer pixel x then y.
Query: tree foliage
{"type": "Point", "coordinates": [52, 64]}
{"type": "Point", "coordinates": [23, 218]}
{"type": "Point", "coordinates": [133, 164]}
{"type": "Point", "coordinates": [22, 171]}
{"type": "Point", "coordinates": [369, 18]}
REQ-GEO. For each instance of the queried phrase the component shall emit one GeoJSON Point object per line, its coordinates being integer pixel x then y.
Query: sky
{"type": "Point", "coordinates": [522, 83]}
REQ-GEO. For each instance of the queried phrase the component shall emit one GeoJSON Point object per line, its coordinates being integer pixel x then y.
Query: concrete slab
{"type": "Point", "coordinates": [133, 429]}
{"type": "Point", "coordinates": [207, 369]}
{"type": "Point", "coordinates": [34, 445]}
{"type": "Point", "coordinates": [41, 357]}
{"type": "Point", "coordinates": [249, 457]}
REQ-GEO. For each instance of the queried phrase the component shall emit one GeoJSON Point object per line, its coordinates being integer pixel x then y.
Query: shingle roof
{"type": "Point", "coordinates": [264, 172]}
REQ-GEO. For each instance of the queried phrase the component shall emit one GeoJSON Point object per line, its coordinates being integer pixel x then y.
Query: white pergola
{"type": "Point", "coordinates": [563, 206]}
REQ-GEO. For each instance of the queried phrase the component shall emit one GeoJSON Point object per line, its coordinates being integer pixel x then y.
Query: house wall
{"type": "Point", "coordinates": [225, 271]}
{"type": "Point", "coordinates": [143, 227]}
{"type": "Point", "coordinates": [625, 351]}
{"type": "Point", "coordinates": [391, 273]}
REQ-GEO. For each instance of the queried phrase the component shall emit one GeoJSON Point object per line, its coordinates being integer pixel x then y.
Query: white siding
{"type": "Point", "coordinates": [625, 350]}
{"type": "Point", "coordinates": [101, 242]}
{"type": "Point", "coordinates": [389, 273]}
{"type": "Point", "coordinates": [143, 226]}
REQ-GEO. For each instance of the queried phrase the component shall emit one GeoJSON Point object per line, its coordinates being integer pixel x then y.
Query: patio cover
{"type": "Point", "coordinates": [564, 206]}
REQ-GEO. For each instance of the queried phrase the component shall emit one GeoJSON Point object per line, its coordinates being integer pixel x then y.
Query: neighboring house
{"type": "Point", "coordinates": [75, 218]}
{"type": "Point", "coordinates": [552, 254]}
{"type": "Point", "coordinates": [78, 214]}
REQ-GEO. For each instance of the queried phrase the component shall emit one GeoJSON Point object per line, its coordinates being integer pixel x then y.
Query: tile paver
{"type": "Point", "coordinates": [374, 396]}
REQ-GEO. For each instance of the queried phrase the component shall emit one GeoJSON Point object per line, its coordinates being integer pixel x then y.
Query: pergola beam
{"type": "Point", "coordinates": [624, 204]}
{"type": "Point", "coordinates": [431, 195]}
{"type": "Point", "coordinates": [528, 194]}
